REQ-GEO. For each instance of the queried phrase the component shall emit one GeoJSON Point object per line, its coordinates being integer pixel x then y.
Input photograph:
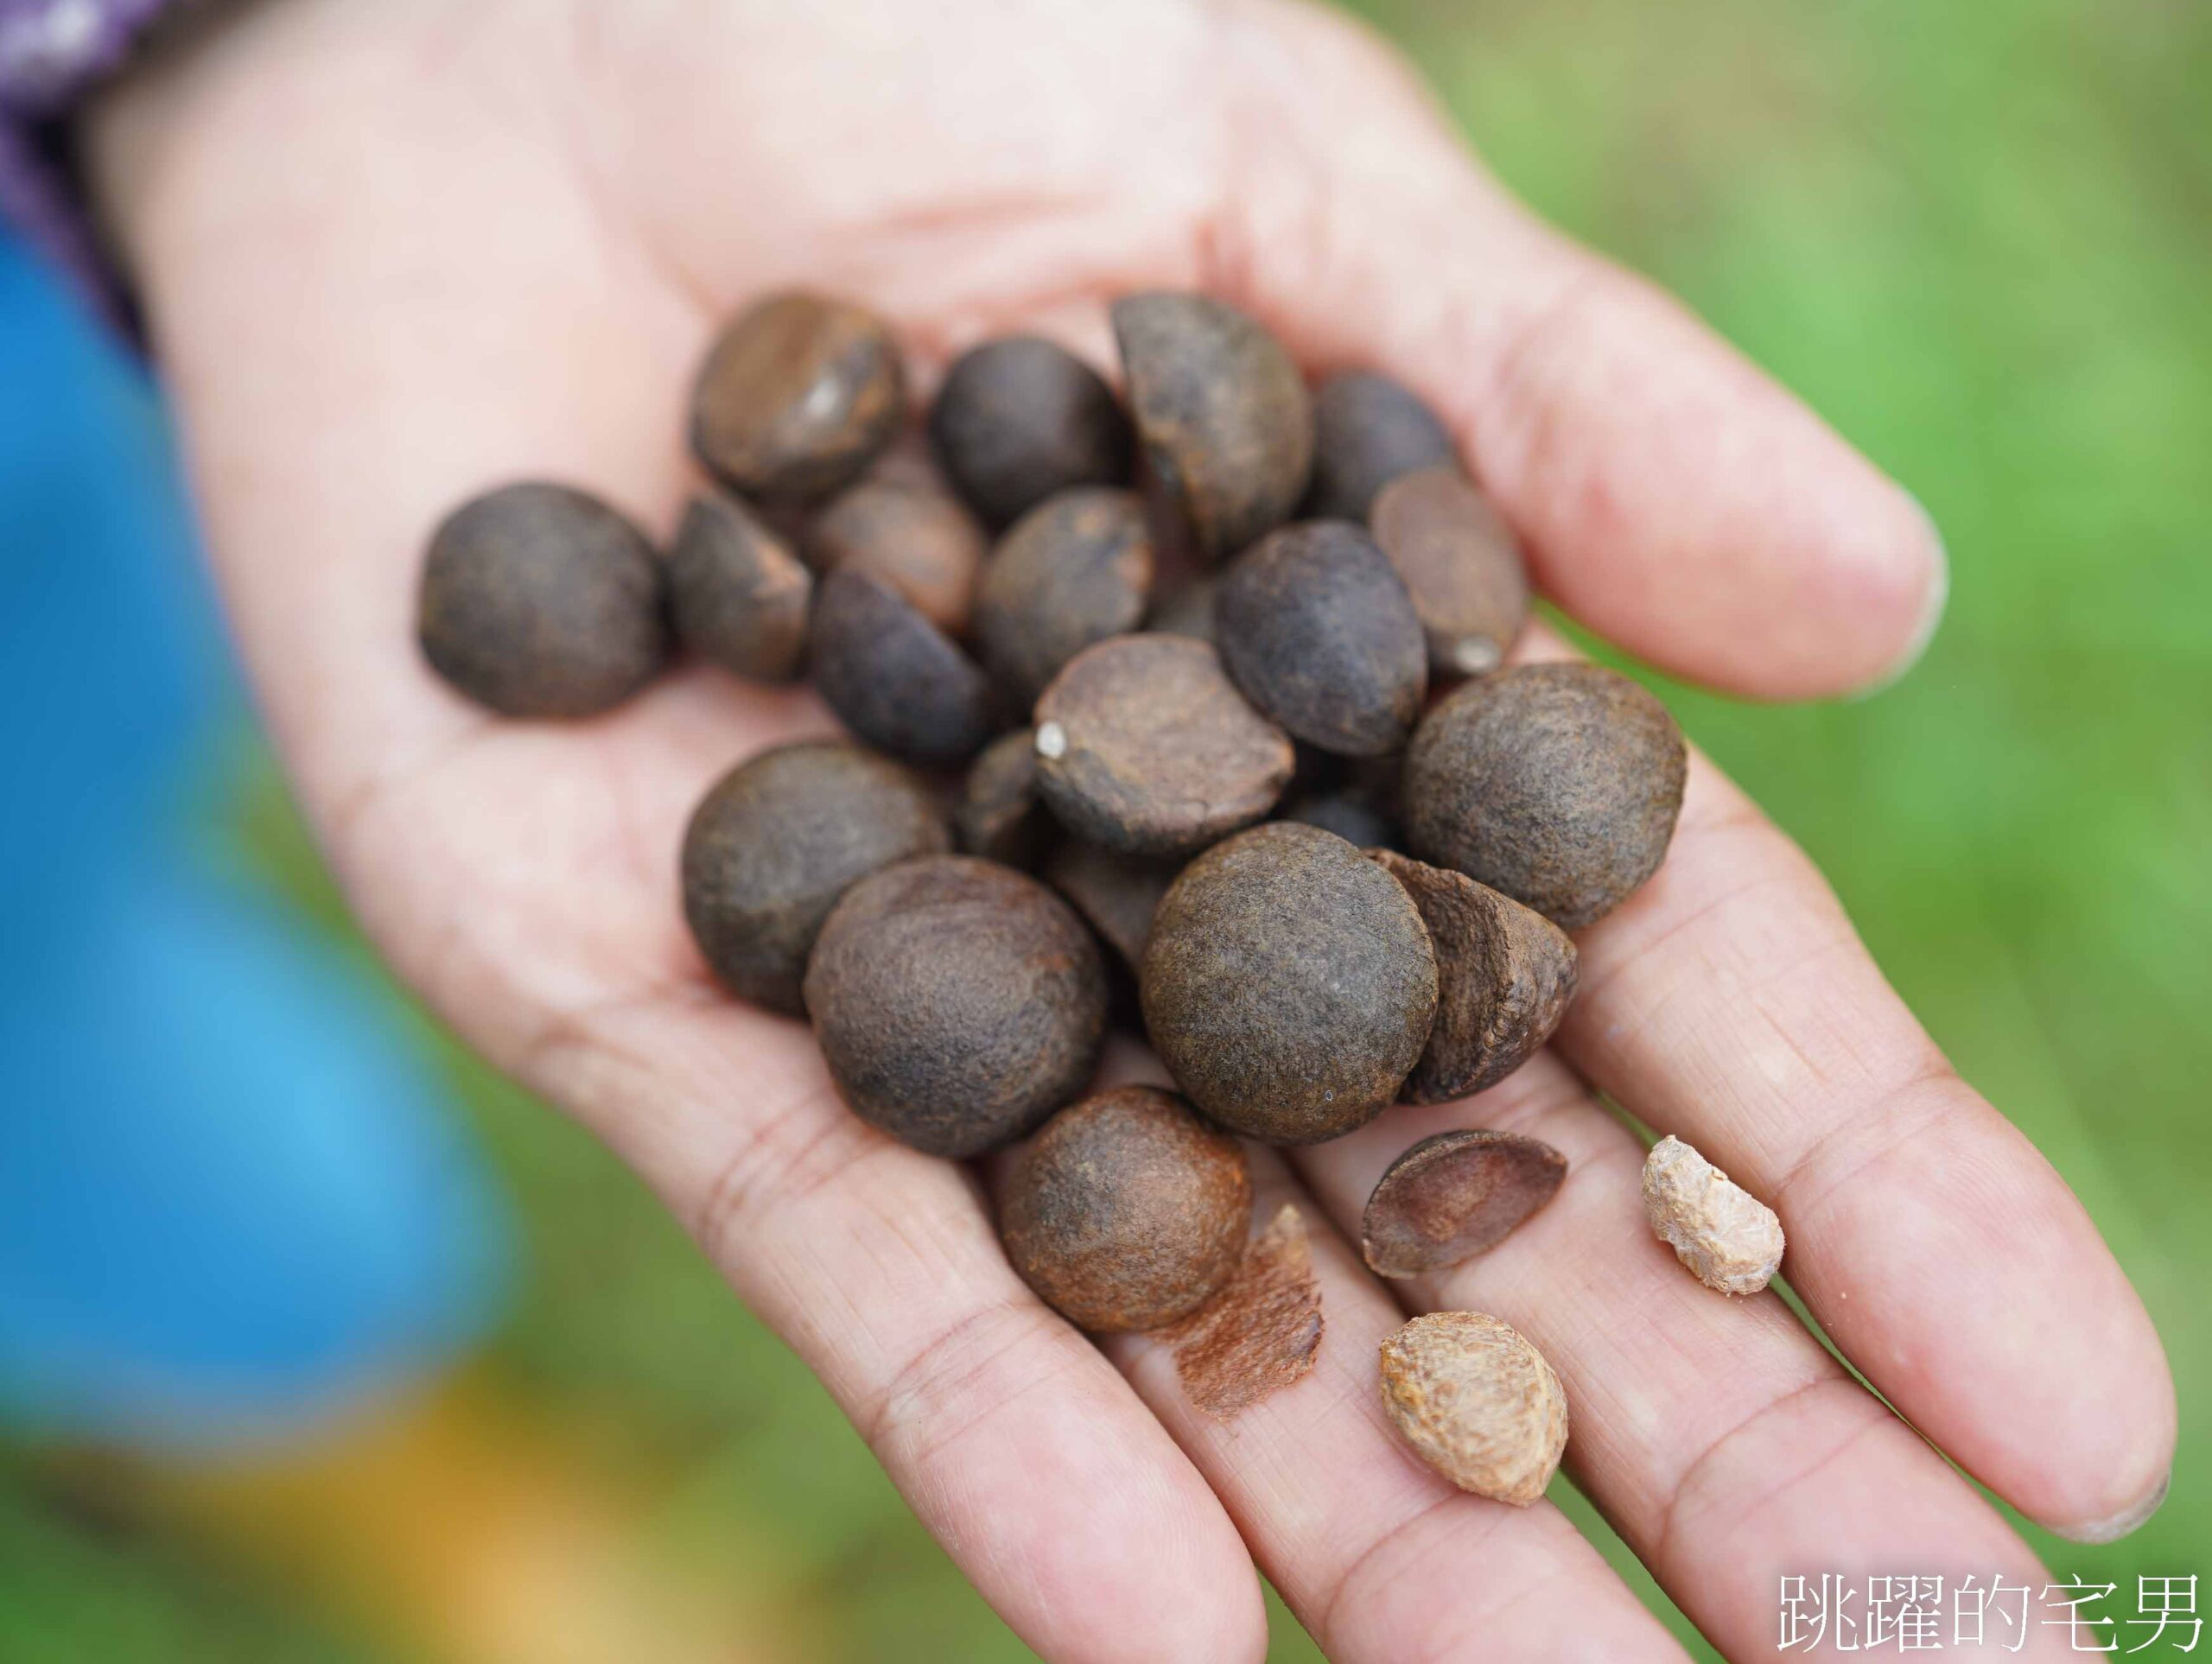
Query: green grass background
{"type": "Point", "coordinates": [1978, 237]}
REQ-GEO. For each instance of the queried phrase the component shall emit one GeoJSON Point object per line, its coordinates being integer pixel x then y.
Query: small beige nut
{"type": "Point", "coordinates": [1477, 1403]}
{"type": "Point", "coordinates": [1724, 1233]}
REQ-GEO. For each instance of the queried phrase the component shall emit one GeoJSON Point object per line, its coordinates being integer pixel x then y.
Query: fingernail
{"type": "Point", "coordinates": [2112, 1530]}
{"type": "Point", "coordinates": [1931, 619]}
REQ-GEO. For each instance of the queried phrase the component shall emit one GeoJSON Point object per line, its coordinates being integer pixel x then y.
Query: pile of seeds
{"type": "Point", "coordinates": [1185, 706]}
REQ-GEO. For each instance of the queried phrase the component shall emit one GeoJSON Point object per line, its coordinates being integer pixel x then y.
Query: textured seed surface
{"type": "Point", "coordinates": [1261, 1333]}
{"type": "Point", "coordinates": [1075, 570]}
{"type": "Point", "coordinates": [1461, 564]}
{"type": "Point", "coordinates": [1367, 431]}
{"type": "Point", "coordinates": [779, 838]}
{"type": "Point", "coordinates": [1145, 746]}
{"type": "Point", "coordinates": [538, 599]}
{"type": "Point", "coordinates": [999, 815]}
{"type": "Point", "coordinates": [1558, 784]}
{"type": "Point", "coordinates": [1504, 975]}
{"type": "Point", "coordinates": [1728, 1238]}
{"type": "Point", "coordinates": [1454, 1196]}
{"type": "Point", "coordinates": [957, 1003]}
{"type": "Point", "coordinates": [1127, 1211]}
{"type": "Point", "coordinates": [1288, 985]}
{"type": "Point", "coordinates": [909, 534]}
{"type": "Point", "coordinates": [1317, 629]}
{"type": "Point", "coordinates": [894, 677]}
{"type": "Point", "coordinates": [1477, 1403]}
{"type": "Point", "coordinates": [737, 593]}
{"type": "Point", "coordinates": [1221, 414]}
{"type": "Point", "coordinates": [796, 396]}
{"type": "Point", "coordinates": [1020, 418]}
{"type": "Point", "coordinates": [1117, 893]}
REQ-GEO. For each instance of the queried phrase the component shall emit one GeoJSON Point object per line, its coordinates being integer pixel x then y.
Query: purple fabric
{"type": "Point", "coordinates": [53, 53]}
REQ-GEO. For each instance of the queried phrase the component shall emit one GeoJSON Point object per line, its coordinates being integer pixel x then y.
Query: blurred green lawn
{"type": "Point", "coordinates": [1977, 237]}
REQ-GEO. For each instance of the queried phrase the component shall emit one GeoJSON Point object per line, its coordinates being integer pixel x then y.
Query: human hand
{"type": "Point", "coordinates": [395, 253]}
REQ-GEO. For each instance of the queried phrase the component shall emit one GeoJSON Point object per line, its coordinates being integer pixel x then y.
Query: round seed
{"type": "Point", "coordinates": [893, 677]}
{"type": "Point", "coordinates": [770, 848]}
{"type": "Point", "coordinates": [1118, 894]}
{"type": "Point", "coordinates": [796, 396]}
{"type": "Point", "coordinates": [908, 534]}
{"type": "Point", "coordinates": [1144, 746]}
{"type": "Point", "coordinates": [1368, 429]}
{"type": "Point", "coordinates": [1019, 419]}
{"type": "Point", "coordinates": [1461, 565]}
{"type": "Point", "coordinates": [1454, 1196]}
{"type": "Point", "coordinates": [538, 599]}
{"type": "Point", "coordinates": [998, 817]}
{"type": "Point", "coordinates": [737, 594]}
{"type": "Point", "coordinates": [1073, 570]}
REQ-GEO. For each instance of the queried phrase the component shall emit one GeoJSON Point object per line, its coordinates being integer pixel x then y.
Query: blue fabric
{"type": "Point", "coordinates": [229, 1192]}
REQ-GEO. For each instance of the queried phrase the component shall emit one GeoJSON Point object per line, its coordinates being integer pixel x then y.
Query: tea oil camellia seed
{"type": "Point", "coordinates": [1288, 984]}
{"type": "Point", "coordinates": [1118, 894]}
{"type": "Point", "coordinates": [1127, 1211]}
{"type": "Point", "coordinates": [737, 593]}
{"type": "Point", "coordinates": [1020, 419]}
{"type": "Point", "coordinates": [1368, 430]}
{"type": "Point", "coordinates": [894, 677]}
{"type": "Point", "coordinates": [957, 1003]}
{"type": "Point", "coordinates": [1221, 414]}
{"type": "Point", "coordinates": [779, 838]}
{"type": "Point", "coordinates": [1075, 570]}
{"type": "Point", "coordinates": [999, 815]}
{"type": "Point", "coordinates": [1461, 565]}
{"type": "Point", "coordinates": [911, 535]}
{"type": "Point", "coordinates": [796, 396]}
{"type": "Point", "coordinates": [538, 599]}
{"type": "Point", "coordinates": [1559, 784]}
{"type": "Point", "coordinates": [1454, 1195]}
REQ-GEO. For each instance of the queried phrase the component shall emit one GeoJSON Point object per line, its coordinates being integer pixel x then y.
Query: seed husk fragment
{"type": "Point", "coordinates": [796, 396]}
{"type": "Point", "coordinates": [1222, 413]}
{"type": "Point", "coordinates": [1117, 893]}
{"type": "Point", "coordinates": [894, 677]}
{"type": "Point", "coordinates": [1368, 430]}
{"type": "Point", "coordinates": [1462, 566]}
{"type": "Point", "coordinates": [1127, 1211]}
{"type": "Point", "coordinates": [1504, 973]}
{"type": "Point", "coordinates": [1558, 784]}
{"type": "Point", "coordinates": [1261, 1333]}
{"type": "Point", "coordinates": [1317, 629]}
{"type": "Point", "coordinates": [999, 815]}
{"type": "Point", "coordinates": [538, 599]}
{"type": "Point", "coordinates": [1145, 746]}
{"type": "Point", "coordinates": [1288, 984]}
{"type": "Point", "coordinates": [1075, 570]}
{"type": "Point", "coordinates": [909, 534]}
{"type": "Point", "coordinates": [1454, 1195]}
{"type": "Point", "coordinates": [778, 840]}
{"type": "Point", "coordinates": [1731, 1240]}
{"type": "Point", "coordinates": [1019, 419]}
{"type": "Point", "coordinates": [1477, 1403]}
{"type": "Point", "coordinates": [737, 593]}
{"type": "Point", "coordinates": [957, 1003]}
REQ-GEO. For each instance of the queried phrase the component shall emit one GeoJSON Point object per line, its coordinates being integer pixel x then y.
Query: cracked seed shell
{"type": "Point", "coordinates": [1454, 1195]}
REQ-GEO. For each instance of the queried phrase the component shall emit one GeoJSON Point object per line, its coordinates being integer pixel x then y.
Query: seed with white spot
{"type": "Point", "coordinates": [1724, 1233]}
{"type": "Point", "coordinates": [1051, 740]}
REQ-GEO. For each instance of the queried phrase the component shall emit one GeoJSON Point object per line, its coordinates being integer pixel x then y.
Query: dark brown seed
{"type": "Point", "coordinates": [737, 594]}
{"type": "Point", "coordinates": [796, 396]}
{"type": "Point", "coordinates": [957, 1002]}
{"type": "Point", "coordinates": [910, 535]}
{"type": "Point", "coordinates": [1351, 814]}
{"type": "Point", "coordinates": [1367, 431]}
{"type": "Point", "coordinates": [1288, 985]}
{"type": "Point", "coordinates": [893, 677]}
{"type": "Point", "coordinates": [1019, 419]}
{"type": "Point", "coordinates": [1504, 976]}
{"type": "Point", "coordinates": [1222, 413]}
{"type": "Point", "coordinates": [1462, 566]}
{"type": "Point", "coordinates": [770, 848]}
{"type": "Point", "coordinates": [1127, 1211]}
{"type": "Point", "coordinates": [1558, 784]}
{"type": "Point", "coordinates": [1073, 570]}
{"type": "Point", "coordinates": [999, 815]}
{"type": "Point", "coordinates": [538, 599]}
{"type": "Point", "coordinates": [1117, 893]}
{"type": "Point", "coordinates": [1260, 1334]}
{"type": "Point", "coordinates": [1188, 611]}
{"type": "Point", "coordinates": [1143, 745]}
{"type": "Point", "coordinates": [1316, 627]}
{"type": "Point", "coordinates": [1454, 1196]}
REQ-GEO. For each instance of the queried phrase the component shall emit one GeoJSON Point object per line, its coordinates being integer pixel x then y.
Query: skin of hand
{"type": "Point", "coordinates": [393, 253]}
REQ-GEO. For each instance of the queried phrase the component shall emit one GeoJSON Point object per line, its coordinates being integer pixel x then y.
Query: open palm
{"type": "Point", "coordinates": [395, 253]}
